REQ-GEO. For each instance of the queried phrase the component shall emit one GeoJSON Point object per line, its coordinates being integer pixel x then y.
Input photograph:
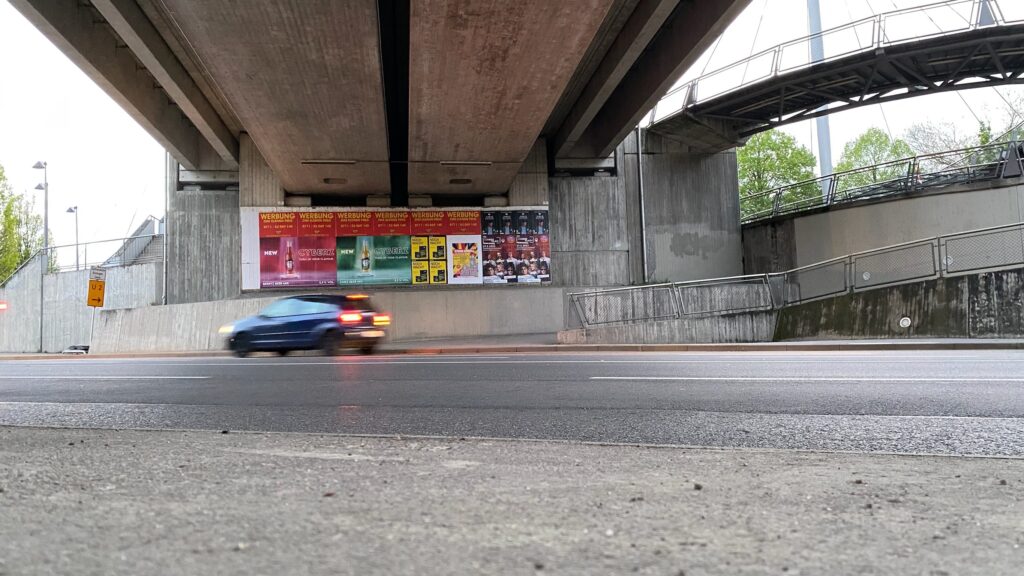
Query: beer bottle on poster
{"type": "Point", "coordinates": [366, 257]}
{"type": "Point", "coordinates": [289, 262]}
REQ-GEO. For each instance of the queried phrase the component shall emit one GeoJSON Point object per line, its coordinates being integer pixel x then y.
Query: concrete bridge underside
{"type": "Point", "coordinates": [363, 97]}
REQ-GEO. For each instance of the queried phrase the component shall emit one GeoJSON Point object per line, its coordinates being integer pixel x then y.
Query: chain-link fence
{"type": "Point", "coordinates": [999, 248]}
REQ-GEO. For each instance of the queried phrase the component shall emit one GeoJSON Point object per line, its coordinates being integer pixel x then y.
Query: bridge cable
{"type": "Point", "coordinates": [753, 43]}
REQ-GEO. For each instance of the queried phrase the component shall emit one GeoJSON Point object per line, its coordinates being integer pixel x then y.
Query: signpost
{"type": "Point", "coordinates": [97, 287]}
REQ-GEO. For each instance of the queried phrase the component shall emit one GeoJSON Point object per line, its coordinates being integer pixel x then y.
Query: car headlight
{"type": "Point", "coordinates": [227, 329]}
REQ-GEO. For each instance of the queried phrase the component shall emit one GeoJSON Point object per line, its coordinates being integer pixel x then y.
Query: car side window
{"type": "Point", "coordinates": [280, 308]}
{"type": "Point", "coordinates": [314, 307]}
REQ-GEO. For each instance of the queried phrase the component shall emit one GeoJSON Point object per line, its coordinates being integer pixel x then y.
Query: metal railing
{"type": "Point", "coordinates": [951, 255]}
{"type": "Point", "coordinates": [112, 253]}
{"type": "Point", "coordinates": [873, 32]}
{"type": "Point", "coordinates": [903, 176]}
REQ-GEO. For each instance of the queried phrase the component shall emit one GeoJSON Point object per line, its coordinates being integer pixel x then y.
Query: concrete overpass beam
{"type": "Point", "coordinates": [72, 27]}
{"type": "Point", "coordinates": [136, 30]}
{"type": "Point", "coordinates": [643, 24]}
{"type": "Point", "coordinates": [691, 28]}
{"type": "Point", "coordinates": [258, 185]}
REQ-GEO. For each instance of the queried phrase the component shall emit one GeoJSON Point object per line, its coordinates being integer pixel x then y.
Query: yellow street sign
{"type": "Point", "coordinates": [96, 291]}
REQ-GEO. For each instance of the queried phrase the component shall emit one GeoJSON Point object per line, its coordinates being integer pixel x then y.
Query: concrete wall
{"type": "Point", "coordinates": [67, 319]}
{"type": "Point", "coordinates": [693, 215]}
{"type": "Point", "coordinates": [257, 183]}
{"type": "Point", "coordinates": [19, 324]}
{"type": "Point", "coordinates": [418, 314]}
{"type": "Point", "coordinates": [729, 328]}
{"type": "Point", "coordinates": [202, 243]}
{"type": "Point", "coordinates": [989, 305]}
{"type": "Point", "coordinates": [790, 243]}
{"type": "Point", "coordinates": [530, 186]}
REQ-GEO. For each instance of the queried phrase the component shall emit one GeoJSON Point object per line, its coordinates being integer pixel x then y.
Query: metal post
{"type": "Point", "coordinates": [643, 212]}
{"type": "Point", "coordinates": [986, 16]}
{"type": "Point", "coordinates": [76, 239]}
{"type": "Point", "coordinates": [821, 123]}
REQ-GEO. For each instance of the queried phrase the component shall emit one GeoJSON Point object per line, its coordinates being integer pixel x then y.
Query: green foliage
{"type": "Point", "coordinates": [871, 148]}
{"type": "Point", "coordinates": [769, 160]}
{"type": "Point", "coordinates": [21, 231]}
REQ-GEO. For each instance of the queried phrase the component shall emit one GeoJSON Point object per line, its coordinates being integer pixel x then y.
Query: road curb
{"type": "Point", "coordinates": [555, 348]}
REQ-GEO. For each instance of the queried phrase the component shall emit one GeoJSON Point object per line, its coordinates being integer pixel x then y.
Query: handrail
{"type": "Point", "coordinates": [899, 176]}
{"type": "Point", "coordinates": [51, 249]}
{"type": "Point", "coordinates": [879, 38]}
{"type": "Point", "coordinates": [801, 285]}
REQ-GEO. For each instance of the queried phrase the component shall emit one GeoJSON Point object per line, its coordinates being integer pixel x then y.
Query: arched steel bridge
{"type": "Point", "coordinates": [952, 45]}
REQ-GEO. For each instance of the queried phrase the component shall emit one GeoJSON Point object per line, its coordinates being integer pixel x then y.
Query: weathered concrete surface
{"type": "Point", "coordinates": [727, 328]}
{"type": "Point", "coordinates": [417, 314]}
{"type": "Point", "coordinates": [116, 502]}
{"type": "Point", "coordinates": [989, 305]}
{"type": "Point", "coordinates": [808, 239]}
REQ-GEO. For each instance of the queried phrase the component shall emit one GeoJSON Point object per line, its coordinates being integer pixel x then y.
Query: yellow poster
{"type": "Point", "coordinates": [438, 272]}
{"type": "Point", "coordinates": [420, 272]}
{"type": "Point", "coordinates": [437, 248]}
{"type": "Point", "coordinates": [420, 246]}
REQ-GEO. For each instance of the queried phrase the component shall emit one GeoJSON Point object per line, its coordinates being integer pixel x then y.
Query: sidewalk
{"type": "Point", "coordinates": [546, 343]}
{"type": "Point", "coordinates": [146, 502]}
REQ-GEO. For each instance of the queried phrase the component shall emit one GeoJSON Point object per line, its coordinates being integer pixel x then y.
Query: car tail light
{"type": "Point", "coordinates": [3, 305]}
{"type": "Point", "coordinates": [382, 320]}
{"type": "Point", "coordinates": [350, 317]}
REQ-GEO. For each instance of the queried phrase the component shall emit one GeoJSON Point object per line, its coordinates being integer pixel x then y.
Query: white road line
{"type": "Point", "coordinates": [800, 379]}
{"type": "Point", "coordinates": [104, 377]}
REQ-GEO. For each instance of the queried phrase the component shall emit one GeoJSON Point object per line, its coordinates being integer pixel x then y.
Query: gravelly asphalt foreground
{"type": "Point", "coordinates": [108, 501]}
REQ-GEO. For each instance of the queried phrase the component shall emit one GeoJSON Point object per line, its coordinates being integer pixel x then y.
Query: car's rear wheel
{"type": "Point", "coordinates": [241, 346]}
{"type": "Point", "coordinates": [282, 352]}
{"type": "Point", "coordinates": [332, 344]}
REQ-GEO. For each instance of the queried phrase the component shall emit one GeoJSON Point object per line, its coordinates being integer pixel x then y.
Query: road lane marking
{"type": "Point", "coordinates": [104, 377]}
{"type": "Point", "coordinates": [801, 379]}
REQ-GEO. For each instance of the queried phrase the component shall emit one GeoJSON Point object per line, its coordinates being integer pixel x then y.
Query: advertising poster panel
{"type": "Point", "coordinates": [420, 248]}
{"type": "Point", "coordinates": [278, 249]}
{"type": "Point", "coordinates": [438, 248]}
{"type": "Point", "coordinates": [421, 271]}
{"type": "Point", "coordinates": [521, 253]}
{"type": "Point", "coordinates": [438, 272]}
{"type": "Point", "coordinates": [465, 261]}
{"type": "Point", "coordinates": [365, 260]}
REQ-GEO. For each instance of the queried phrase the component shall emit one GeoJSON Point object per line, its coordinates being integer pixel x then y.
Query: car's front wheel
{"type": "Point", "coordinates": [241, 346]}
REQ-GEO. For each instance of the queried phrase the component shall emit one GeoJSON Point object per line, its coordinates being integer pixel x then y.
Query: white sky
{"type": "Point", "coordinates": [101, 160]}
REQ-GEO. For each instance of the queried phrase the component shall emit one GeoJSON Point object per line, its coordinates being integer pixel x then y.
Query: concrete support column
{"type": "Point", "coordinates": [693, 213]}
{"type": "Point", "coordinates": [257, 183]}
{"type": "Point", "coordinates": [530, 186]}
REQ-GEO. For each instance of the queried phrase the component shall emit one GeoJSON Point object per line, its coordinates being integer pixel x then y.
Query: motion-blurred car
{"type": "Point", "coordinates": [332, 323]}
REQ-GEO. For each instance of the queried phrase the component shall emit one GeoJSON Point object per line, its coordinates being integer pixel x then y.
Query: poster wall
{"type": "Point", "coordinates": [402, 247]}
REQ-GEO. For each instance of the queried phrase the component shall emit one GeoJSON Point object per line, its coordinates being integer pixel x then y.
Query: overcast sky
{"type": "Point", "coordinates": [102, 161]}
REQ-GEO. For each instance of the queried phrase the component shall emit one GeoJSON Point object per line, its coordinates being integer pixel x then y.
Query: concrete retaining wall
{"type": "Point", "coordinates": [729, 328]}
{"type": "Point", "coordinates": [418, 314]}
{"type": "Point", "coordinates": [989, 305]}
{"type": "Point", "coordinates": [68, 320]}
{"type": "Point", "coordinates": [793, 242]}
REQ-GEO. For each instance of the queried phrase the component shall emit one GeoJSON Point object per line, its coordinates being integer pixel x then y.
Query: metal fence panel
{"type": "Point", "coordinates": [815, 281]}
{"type": "Point", "coordinates": [624, 306]}
{"type": "Point", "coordinates": [984, 250]}
{"type": "Point", "coordinates": [895, 265]}
{"type": "Point", "coordinates": [725, 296]}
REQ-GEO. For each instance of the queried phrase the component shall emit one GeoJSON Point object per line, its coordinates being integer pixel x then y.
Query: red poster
{"type": "Point", "coordinates": [463, 222]}
{"type": "Point", "coordinates": [389, 223]}
{"type": "Point", "coordinates": [277, 224]}
{"type": "Point", "coordinates": [429, 223]}
{"type": "Point", "coordinates": [316, 224]}
{"type": "Point", "coordinates": [354, 224]}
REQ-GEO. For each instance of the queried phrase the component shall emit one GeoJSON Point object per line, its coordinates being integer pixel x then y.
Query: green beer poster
{"type": "Point", "coordinates": [373, 260]}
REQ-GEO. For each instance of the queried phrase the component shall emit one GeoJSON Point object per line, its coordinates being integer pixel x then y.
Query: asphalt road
{"type": "Point", "coordinates": [969, 402]}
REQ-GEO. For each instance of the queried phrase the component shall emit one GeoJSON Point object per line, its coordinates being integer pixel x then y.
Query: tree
{"type": "Point", "coordinates": [770, 160]}
{"type": "Point", "coordinates": [867, 151]}
{"type": "Point", "coordinates": [21, 231]}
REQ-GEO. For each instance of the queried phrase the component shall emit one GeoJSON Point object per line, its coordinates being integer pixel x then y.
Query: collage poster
{"type": "Point", "coordinates": [516, 247]}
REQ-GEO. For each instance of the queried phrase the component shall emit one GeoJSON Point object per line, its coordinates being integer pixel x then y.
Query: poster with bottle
{"type": "Point", "coordinates": [421, 272]}
{"type": "Point", "coordinates": [279, 247]}
{"type": "Point", "coordinates": [465, 259]}
{"type": "Point", "coordinates": [365, 260]}
{"type": "Point", "coordinates": [438, 272]}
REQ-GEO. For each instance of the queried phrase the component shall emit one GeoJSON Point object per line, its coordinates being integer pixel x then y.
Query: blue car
{"type": "Point", "coordinates": [332, 323]}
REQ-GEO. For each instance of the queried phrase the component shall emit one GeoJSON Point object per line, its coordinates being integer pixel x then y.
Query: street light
{"type": "Point", "coordinates": [45, 187]}
{"type": "Point", "coordinates": [74, 210]}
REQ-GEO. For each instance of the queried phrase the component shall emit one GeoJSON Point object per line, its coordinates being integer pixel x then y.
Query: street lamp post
{"type": "Point", "coordinates": [74, 210]}
{"type": "Point", "coordinates": [45, 187]}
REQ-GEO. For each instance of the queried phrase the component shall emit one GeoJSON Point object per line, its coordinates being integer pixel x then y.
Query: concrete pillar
{"type": "Point", "coordinates": [692, 212]}
{"type": "Point", "coordinates": [530, 186]}
{"type": "Point", "coordinates": [257, 183]}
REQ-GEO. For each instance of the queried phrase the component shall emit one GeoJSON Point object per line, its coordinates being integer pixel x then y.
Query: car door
{"type": "Point", "coordinates": [309, 316]}
{"type": "Point", "coordinates": [273, 328]}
